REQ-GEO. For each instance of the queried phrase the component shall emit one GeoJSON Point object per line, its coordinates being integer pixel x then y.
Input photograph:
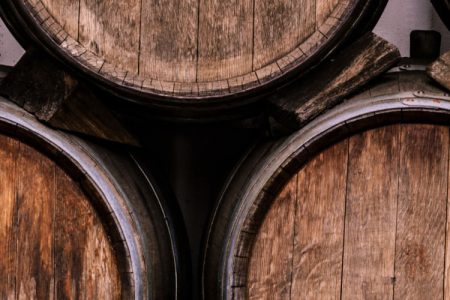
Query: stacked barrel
{"type": "Point", "coordinates": [349, 202]}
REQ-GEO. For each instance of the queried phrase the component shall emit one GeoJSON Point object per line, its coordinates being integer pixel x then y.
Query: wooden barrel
{"type": "Point", "coordinates": [79, 221]}
{"type": "Point", "coordinates": [353, 206]}
{"type": "Point", "coordinates": [177, 50]}
{"type": "Point", "coordinates": [443, 9]}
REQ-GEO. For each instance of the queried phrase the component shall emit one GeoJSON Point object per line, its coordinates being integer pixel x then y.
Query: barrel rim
{"type": "Point", "coordinates": [355, 18]}
{"type": "Point", "coordinates": [88, 171]}
{"type": "Point", "coordinates": [280, 160]}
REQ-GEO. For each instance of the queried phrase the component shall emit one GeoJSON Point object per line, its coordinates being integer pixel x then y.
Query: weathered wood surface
{"type": "Point", "coordinates": [8, 230]}
{"type": "Point", "coordinates": [371, 211]}
{"type": "Point", "coordinates": [78, 274]}
{"type": "Point", "coordinates": [272, 277]}
{"type": "Point", "coordinates": [111, 30]}
{"type": "Point", "coordinates": [35, 192]}
{"type": "Point", "coordinates": [353, 67]}
{"type": "Point", "coordinates": [319, 226]}
{"type": "Point", "coordinates": [40, 258]}
{"type": "Point", "coordinates": [422, 212]}
{"type": "Point", "coordinates": [443, 9]}
{"type": "Point", "coordinates": [280, 24]}
{"type": "Point", "coordinates": [225, 39]}
{"type": "Point", "coordinates": [369, 223]}
{"type": "Point", "coordinates": [193, 48]}
{"type": "Point", "coordinates": [44, 88]}
{"type": "Point", "coordinates": [440, 70]}
{"type": "Point", "coordinates": [169, 49]}
{"type": "Point", "coordinates": [68, 10]}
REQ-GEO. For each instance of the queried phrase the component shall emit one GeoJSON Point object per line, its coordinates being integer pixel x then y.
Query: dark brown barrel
{"type": "Point", "coordinates": [353, 206]}
{"type": "Point", "coordinates": [79, 221]}
{"type": "Point", "coordinates": [179, 50]}
{"type": "Point", "coordinates": [443, 9]}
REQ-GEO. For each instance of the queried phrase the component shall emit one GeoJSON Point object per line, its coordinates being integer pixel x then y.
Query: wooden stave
{"type": "Point", "coordinates": [364, 18]}
{"type": "Point", "coordinates": [136, 214]}
{"type": "Point", "coordinates": [263, 171]}
{"type": "Point", "coordinates": [442, 7]}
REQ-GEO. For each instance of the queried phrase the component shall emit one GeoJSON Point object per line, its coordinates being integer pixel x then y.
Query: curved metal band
{"type": "Point", "coordinates": [360, 20]}
{"type": "Point", "coordinates": [13, 118]}
{"type": "Point", "coordinates": [293, 153]}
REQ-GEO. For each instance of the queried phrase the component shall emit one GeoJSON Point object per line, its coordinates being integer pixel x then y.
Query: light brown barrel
{"type": "Point", "coordinates": [79, 220]}
{"type": "Point", "coordinates": [353, 206]}
{"type": "Point", "coordinates": [191, 49]}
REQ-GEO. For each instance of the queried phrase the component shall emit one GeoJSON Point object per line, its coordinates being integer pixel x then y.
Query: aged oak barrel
{"type": "Point", "coordinates": [79, 221]}
{"type": "Point", "coordinates": [353, 206]}
{"type": "Point", "coordinates": [175, 50]}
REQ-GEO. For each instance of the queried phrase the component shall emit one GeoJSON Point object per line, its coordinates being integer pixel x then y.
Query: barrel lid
{"type": "Point", "coordinates": [186, 51]}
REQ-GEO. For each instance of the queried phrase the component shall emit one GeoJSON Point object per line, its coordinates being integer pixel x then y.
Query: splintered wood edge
{"type": "Point", "coordinates": [116, 75]}
{"type": "Point", "coordinates": [325, 87]}
{"type": "Point", "coordinates": [440, 70]}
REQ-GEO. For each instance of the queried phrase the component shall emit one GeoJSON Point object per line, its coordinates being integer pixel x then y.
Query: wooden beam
{"type": "Point", "coordinates": [440, 70]}
{"type": "Point", "coordinates": [44, 88]}
{"type": "Point", "coordinates": [327, 85]}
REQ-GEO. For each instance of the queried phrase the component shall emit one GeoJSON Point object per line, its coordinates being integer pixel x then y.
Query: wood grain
{"type": "Point", "coordinates": [225, 46]}
{"type": "Point", "coordinates": [370, 221]}
{"type": "Point", "coordinates": [447, 243]}
{"type": "Point", "coordinates": [324, 9]}
{"type": "Point", "coordinates": [111, 29]}
{"type": "Point", "coordinates": [46, 89]}
{"type": "Point", "coordinates": [319, 226]}
{"type": "Point", "coordinates": [35, 207]}
{"type": "Point", "coordinates": [325, 87]}
{"type": "Point", "coordinates": [85, 265]}
{"type": "Point", "coordinates": [422, 204]}
{"type": "Point", "coordinates": [8, 254]}
{"type": "Point", "coordinates": [195, 48]}
{"type": "Point", "coordinates": [378, 230]}
{"type": "Point", "coordinates": [66, 11]}
{"type": "Point", "coordinates": [270, 267]}
{"type": "Point", "coordinates": [169, 40]}
{"type": "Point", "coordinates": [53, 245]}
{"type": "Point", "coordinates": [280, 26]}
{"type": "Point", "coordinates": [440, 70]}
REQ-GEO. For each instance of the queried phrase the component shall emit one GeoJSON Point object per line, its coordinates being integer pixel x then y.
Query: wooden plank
{"type": "Point", "coordinates": [440, 70]}
{"type": "Point", "coordinates": [100, 271]}
{"type": "Point", "coordinates": [85, 265]}
{"type": "Point", "coordinates": [169, 40]}
{"type": "Point", "coordinates": [370, 221]}
{"type": "Point", "coordinates": [65, 13]}
{"type": "Point", "coordinates": [319, 226]}
{"type": "Point", "coordinates": [421, 221]}
{"type": "Point", "coordinates": [35, 207]}
{"type": "Point", "coordinates": [270, 267]}
{"type": "Point", "coordinates": [45, 88]}
{"type": "Point", "coordinates": [8, 234]}
{"type": "Point", "coordinates": [225, 39]}
{"type": "Point", "coordinates": [325, 87]}
{"type": "Point", "coordinates": [280, 26]}
{"type": "Point", "coordinates": [111, 29]}
{"type": "Point", "coordinates": [447, 244]}
{"type": "Point", "coordinates": [324, 9]}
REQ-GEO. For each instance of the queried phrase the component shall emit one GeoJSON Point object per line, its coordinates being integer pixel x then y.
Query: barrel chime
{"type": "Point", "coordinates": [345, 195]}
